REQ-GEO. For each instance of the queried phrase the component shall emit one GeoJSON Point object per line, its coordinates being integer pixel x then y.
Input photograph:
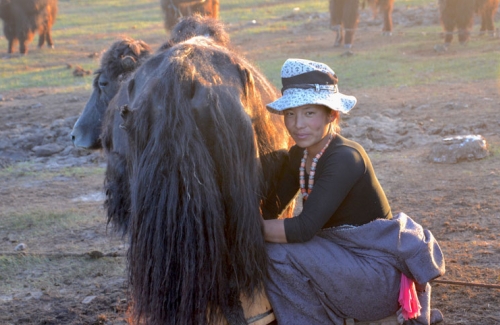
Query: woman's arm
{"type": "Point", "coordinates": [274, 230]}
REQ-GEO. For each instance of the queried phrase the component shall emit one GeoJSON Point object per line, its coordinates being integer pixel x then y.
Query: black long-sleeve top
{"type": "Point", "coordinates": [346, 191]}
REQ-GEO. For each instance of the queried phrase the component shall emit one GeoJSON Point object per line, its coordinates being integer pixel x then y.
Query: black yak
{"type": "Point", "coordinates": [173, 10]}
{"type": "Point", "coordinates": [344, 18]}
{"type": "Point", "coordinates": [117, 63]}
{"type": "Point", "coordinates": [23, 18]}
{"type": "Point", "coordinates": [197, 125]}
{"type": "Point", "coordinates": [97, 126]}
{"type": "Point", "coordinates": [459, 15]}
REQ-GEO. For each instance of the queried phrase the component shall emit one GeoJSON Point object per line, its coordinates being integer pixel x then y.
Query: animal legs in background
{"type": "Point", "coordinates": [487, 9]}
{"type": "Point", "coordinates": [385, 7]}
{"type": "Point", "coordinates": [173, 10]}
{"type": "Point", "coordinates": [459, 15]}
{"type": "Point", "coordinates": [344, 17]}
{"type": "Point", "coordinates": [23, 18]}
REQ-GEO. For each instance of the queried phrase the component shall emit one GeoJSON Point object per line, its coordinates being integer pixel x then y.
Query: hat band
{"type": "Point", "coordinates": [318, 87]}
{"type": "Point", "coordinates": [311, 77]}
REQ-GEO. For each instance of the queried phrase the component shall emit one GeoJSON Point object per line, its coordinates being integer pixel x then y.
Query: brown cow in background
{"type": "Point", "coordinates": [385, 7]}
{"type": "Point", "coordinates": [173, 10]}
{"type": "Point", "coordinates": [459, 15]}
{"type": "Point", "coordinates": [344, 17]}
{"type": "Point", "coordinates": [487, 9]}
{"type": "Point", "coordinates": [23, 18]}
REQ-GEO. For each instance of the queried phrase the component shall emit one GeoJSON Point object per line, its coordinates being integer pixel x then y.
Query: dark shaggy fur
{"type": "Point", "coordinates": [22, 19]}
{"type": "Point", "coordinates": [115, 144]}
{"type": "Point", "coordinates": [114, 140]}
{"type": "Point", "coordinates": [173, 10]}
{"type": "Point", "coordinates": [195, 130]}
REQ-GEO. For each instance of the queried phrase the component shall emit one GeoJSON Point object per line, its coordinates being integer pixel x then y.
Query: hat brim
{"type": "Point", "coordinates": [295, 97]}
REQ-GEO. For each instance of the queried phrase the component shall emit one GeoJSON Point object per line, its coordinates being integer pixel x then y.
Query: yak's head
{"type": "Point", "coordinates": [117, 63]}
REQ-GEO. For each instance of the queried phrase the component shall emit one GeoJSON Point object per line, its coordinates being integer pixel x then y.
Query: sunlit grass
{"type": "Point", "coordinates": [85, 27]}
{"type": "Point", "coordinates": [42, 223]}
{"type": "Point", "coordinates": [44, 273]}
{"type": "Point", "coordinates": [29, 169]}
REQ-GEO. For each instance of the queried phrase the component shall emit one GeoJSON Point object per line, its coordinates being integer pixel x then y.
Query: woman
{"type": "Point", "coordinates": [344, 255]}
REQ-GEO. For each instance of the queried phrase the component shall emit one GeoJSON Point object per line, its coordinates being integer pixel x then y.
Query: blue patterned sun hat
{"type": "Point", "coordinates": [309, 82]}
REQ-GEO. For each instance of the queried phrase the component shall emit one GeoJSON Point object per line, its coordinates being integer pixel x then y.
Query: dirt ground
{"type": "Point", "coordinates": [459, 203]}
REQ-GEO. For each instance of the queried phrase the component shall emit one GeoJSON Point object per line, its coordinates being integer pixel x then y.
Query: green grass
{"type": "Point", "coordinates": [27, 169]}
{"type": "Point", "coordinates": [90, 26]}
{"type": "Point", "coordinates": [43, 273]}
{"type": "Point", "coordinates": [44, 223]}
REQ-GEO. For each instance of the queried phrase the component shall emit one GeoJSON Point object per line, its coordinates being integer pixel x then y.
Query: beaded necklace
{"type": "Point", "coordinates": [302, 171]}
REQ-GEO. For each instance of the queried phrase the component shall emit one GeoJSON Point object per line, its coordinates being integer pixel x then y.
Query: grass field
{"type": "Point", "coordinates": [86, 27]}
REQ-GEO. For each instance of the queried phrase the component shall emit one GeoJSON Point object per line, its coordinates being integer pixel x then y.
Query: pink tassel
{"type": "Point", "coordinates": [408, 298]}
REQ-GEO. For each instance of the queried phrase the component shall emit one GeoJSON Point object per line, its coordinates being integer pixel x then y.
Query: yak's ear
{"type": "Point", "coordinates": [128, 63]}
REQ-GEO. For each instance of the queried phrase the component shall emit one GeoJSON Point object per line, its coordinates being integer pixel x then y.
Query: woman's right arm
{"type": "Point", "coordinates": [274, 231]}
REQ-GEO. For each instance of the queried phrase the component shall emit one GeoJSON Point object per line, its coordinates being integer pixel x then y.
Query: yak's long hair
{"type": "Point", "coordinates": [196, 242]}
{"type": "Point", "coordinates": [118, 63]}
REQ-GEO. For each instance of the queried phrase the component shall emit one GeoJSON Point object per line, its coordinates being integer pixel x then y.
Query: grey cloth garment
{"type": "Point", "coordinates": [353, 272]}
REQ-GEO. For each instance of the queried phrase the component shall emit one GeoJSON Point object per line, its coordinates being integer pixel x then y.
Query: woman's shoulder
{"type": "Point", "coordinates": [345, 146]}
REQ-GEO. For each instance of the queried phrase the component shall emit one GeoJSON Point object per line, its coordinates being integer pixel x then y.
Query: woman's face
{"type": "Point", "coordinates": [308, 125]}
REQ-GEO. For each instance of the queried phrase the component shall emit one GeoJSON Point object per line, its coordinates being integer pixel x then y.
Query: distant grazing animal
{"type": "Point", "coordinates": [385, 7]}
{"type": "Point", "coordinates": [344, 18]}
{"type": "Point", "coordinates": [173, 10]}
{"type": "Point", "coordinates": [23, 18]}
{"type": "Point", "coordinates": [487, 9]}
{"type": "Point", "coordinates": [459, 15]}
{"type": "Point", "coordinates": [197, 126]}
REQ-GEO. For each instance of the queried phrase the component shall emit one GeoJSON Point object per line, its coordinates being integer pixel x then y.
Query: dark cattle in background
{"type": "Point", "coordinates": [344, 18]}
{"type": "Point", "coordinates": [173, 10]}
{"type": "Point", "coordinates": [22, 19]}
{"type": "Point", "coordinates": [459, 15]}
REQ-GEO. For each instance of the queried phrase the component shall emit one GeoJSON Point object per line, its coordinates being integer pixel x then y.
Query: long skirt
{"type": "Point", "coordinates": [352, 272]}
